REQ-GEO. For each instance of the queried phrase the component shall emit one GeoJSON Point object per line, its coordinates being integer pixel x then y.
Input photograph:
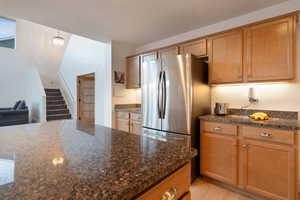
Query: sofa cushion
{"type": "Point", "coordinates": [21, 106]}
{"type": "Point", "coordinates": [16, 105]}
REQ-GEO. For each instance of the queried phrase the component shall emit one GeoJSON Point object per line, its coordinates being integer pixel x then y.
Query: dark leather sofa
{"type": "Point", "coordinates": [11, 116]}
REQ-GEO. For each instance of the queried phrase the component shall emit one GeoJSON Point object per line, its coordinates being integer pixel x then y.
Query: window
{"type": "Point", "coordinates": [7, 33]}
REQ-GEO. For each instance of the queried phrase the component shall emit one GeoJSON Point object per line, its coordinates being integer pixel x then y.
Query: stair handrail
{"type": "Point", "coordinates": [69, 93]}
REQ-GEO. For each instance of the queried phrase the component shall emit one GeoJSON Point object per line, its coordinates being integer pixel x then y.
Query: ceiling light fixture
{"type": "Point", "coordinates": [58, 40]}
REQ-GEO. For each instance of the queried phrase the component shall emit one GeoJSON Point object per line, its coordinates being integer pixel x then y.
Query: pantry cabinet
{"type": "Point", "coordinates": [261, 161]}
{"type": "Point", "coordinates": [225, 57]}
{"type": "Point", "coordinates": [270, 50]}
{"type": "Point", "coordinates": [133, 72]}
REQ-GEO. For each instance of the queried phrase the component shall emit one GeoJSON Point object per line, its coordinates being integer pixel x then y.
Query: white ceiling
{"type": "Point", "coordinates": [132, 21]}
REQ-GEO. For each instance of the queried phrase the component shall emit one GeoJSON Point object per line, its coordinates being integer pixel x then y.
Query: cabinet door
{"type": "Point", "coordinates": [133, 72]}
{"type": "Point", "coordinates": [225, 57]}
{"type": "Point", "coordinates": [122, 125]}
{"type": "Point", "coordinates": [218, 157]}
{"type": "Point", "coordinates": [269, 169]}
{"type": "Point", "coordinates": [136, 127]}
{"type": "Point", "coordinates": [196, 48]}
{"type": "Point", "coordinates": [270, 50]}
{"type": "Point", "coordinates": [163, 53]}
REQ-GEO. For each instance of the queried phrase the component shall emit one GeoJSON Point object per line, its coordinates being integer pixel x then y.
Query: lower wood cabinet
{"type": "Point", "coordinates": [259, 160]}
{"type": "Point", "coordinates": [129, 122]}
{"type": "Point", "coordinates": [174, 187]}
{"type": "Point", "coordinates": [268, 169]}
{"type": "Point", "coordinates": [219, 157]}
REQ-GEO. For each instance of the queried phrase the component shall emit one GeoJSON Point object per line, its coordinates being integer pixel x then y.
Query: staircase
{"type": "Point", "coordinates": [56, 105]}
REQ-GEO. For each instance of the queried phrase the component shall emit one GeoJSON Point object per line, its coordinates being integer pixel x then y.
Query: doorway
{"type": "Point", "coordinates": [86, 98]}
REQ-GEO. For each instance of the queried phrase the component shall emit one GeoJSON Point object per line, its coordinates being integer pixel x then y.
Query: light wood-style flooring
{"type": "Point", "coordinates": [203, 189]}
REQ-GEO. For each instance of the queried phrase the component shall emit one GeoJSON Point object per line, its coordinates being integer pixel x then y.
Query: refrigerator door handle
{"type": "Point", "coordinates": [164, 95]}
{"type": "Point", "coordinates": [159, 96]}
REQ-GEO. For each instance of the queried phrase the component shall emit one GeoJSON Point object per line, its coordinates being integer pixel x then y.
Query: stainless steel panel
{"type": "Point", "coordinates": [178, 88]}
{"type": "Point", "coordinates": [151, 69]}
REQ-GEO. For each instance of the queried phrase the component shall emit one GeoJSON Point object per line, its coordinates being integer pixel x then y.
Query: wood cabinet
{"type": "Point", "coordinates": [219, 157]}
{"type": "Point", "coordinates": [218, 151]}
{"type": "Point", "coordinates": [262, 161]}
{"type": "Point", "coordinates": [260, 52]}
{"type": "Point", "coordinates": [270, 50]}
{"type": "Point", "coordinates": [176, 186]}
{"type": "Point", "coordinates": [133, 72]}
{"type": "Point", "coordinates": [196, 48]}
{"type": "Point", "coordinates": [269, 169]}
{"type": "Point", "coordinates": [129, 122]}
{"type": "Point", "coordinates": [225, 57]}
{"type": "Point", "coordinates": [162, 53]}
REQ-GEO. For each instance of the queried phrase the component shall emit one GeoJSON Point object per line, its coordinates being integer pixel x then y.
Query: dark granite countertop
{"type": "Point", "coordinates": [286, 124]}
{"type": "Point", "coordinates": [64, 160]}
{"type": "Point", "coordinates": [132, 110]}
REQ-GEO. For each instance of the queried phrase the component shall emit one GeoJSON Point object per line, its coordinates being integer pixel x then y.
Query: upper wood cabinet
{"type": "Point", "coordinates": [133, 72]}
{"type": "Point", "coordinates": [225, 57]}
{"type": "Point", "coordinates": [270, 50]}
{"type": "Point", "coordinates": [196, 48]}
{"type": "Point", "coordinates": [174, 50]}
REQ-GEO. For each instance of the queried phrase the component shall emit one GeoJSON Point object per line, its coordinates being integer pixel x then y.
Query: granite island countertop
{"type": "Point", "coordinates": [63, 160]}
{"type": "Point", "coordinates": [286, 124]}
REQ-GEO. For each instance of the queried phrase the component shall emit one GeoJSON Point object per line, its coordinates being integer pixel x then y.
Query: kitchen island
{"type": "Point", "coordinates": [72, 160]}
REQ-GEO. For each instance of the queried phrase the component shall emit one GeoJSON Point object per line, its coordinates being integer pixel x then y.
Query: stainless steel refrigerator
{"type": "Point", "coordinates": [175, 92]}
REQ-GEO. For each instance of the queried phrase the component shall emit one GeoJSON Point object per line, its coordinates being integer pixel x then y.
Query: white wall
{"type": "Point", "coordinates": [33, 65]}
{"type": "Point", "coordinates": [20, 82]}
{"type": "Point", "coordinates": [278, 9]}
{"type": "Point", "coordinates": [34, 44]}
{"type": "Point", "coordinates": [84, 56]}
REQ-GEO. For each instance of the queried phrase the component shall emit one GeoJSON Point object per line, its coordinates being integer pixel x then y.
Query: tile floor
{"type": "Point", "coordinates": [203, 190]}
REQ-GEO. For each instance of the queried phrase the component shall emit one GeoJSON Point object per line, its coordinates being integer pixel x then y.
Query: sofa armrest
{"type": "Point", "coordinates": [6, 108]}
{"type": "Point", "coordinates": [13, 112]}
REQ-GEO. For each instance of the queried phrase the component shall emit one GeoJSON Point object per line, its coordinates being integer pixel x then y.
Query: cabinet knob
{"type": "Point", "coordinates": [171, 194]}
{"type": "Point", "coordinates": [244, 146]}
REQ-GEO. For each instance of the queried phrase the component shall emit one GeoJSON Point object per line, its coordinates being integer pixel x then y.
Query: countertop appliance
{"type": "Point", "coordinates": [221, 109]}
{"type": "Point", "coordinates": [175, 92]}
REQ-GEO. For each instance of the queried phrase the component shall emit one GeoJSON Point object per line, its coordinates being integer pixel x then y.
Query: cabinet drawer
{"type": "Point", "coordinates": [176, 184]}
{"type": "Point", "coordinates": [136, 117]}
{"type": "Point", "coordinates": [122, 115]}
{"type": "Point", "coordinates": [215, 127]}
{"type": "Point", "coordinates": [272, 135]}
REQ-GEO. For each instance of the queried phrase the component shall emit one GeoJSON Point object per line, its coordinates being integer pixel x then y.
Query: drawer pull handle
{"type": "Point", "coordinates": [265, 134]}
{"type": "Point", "coordinates": [217, 128]}
{"type": "Point", "coordinates": [171, 194]}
